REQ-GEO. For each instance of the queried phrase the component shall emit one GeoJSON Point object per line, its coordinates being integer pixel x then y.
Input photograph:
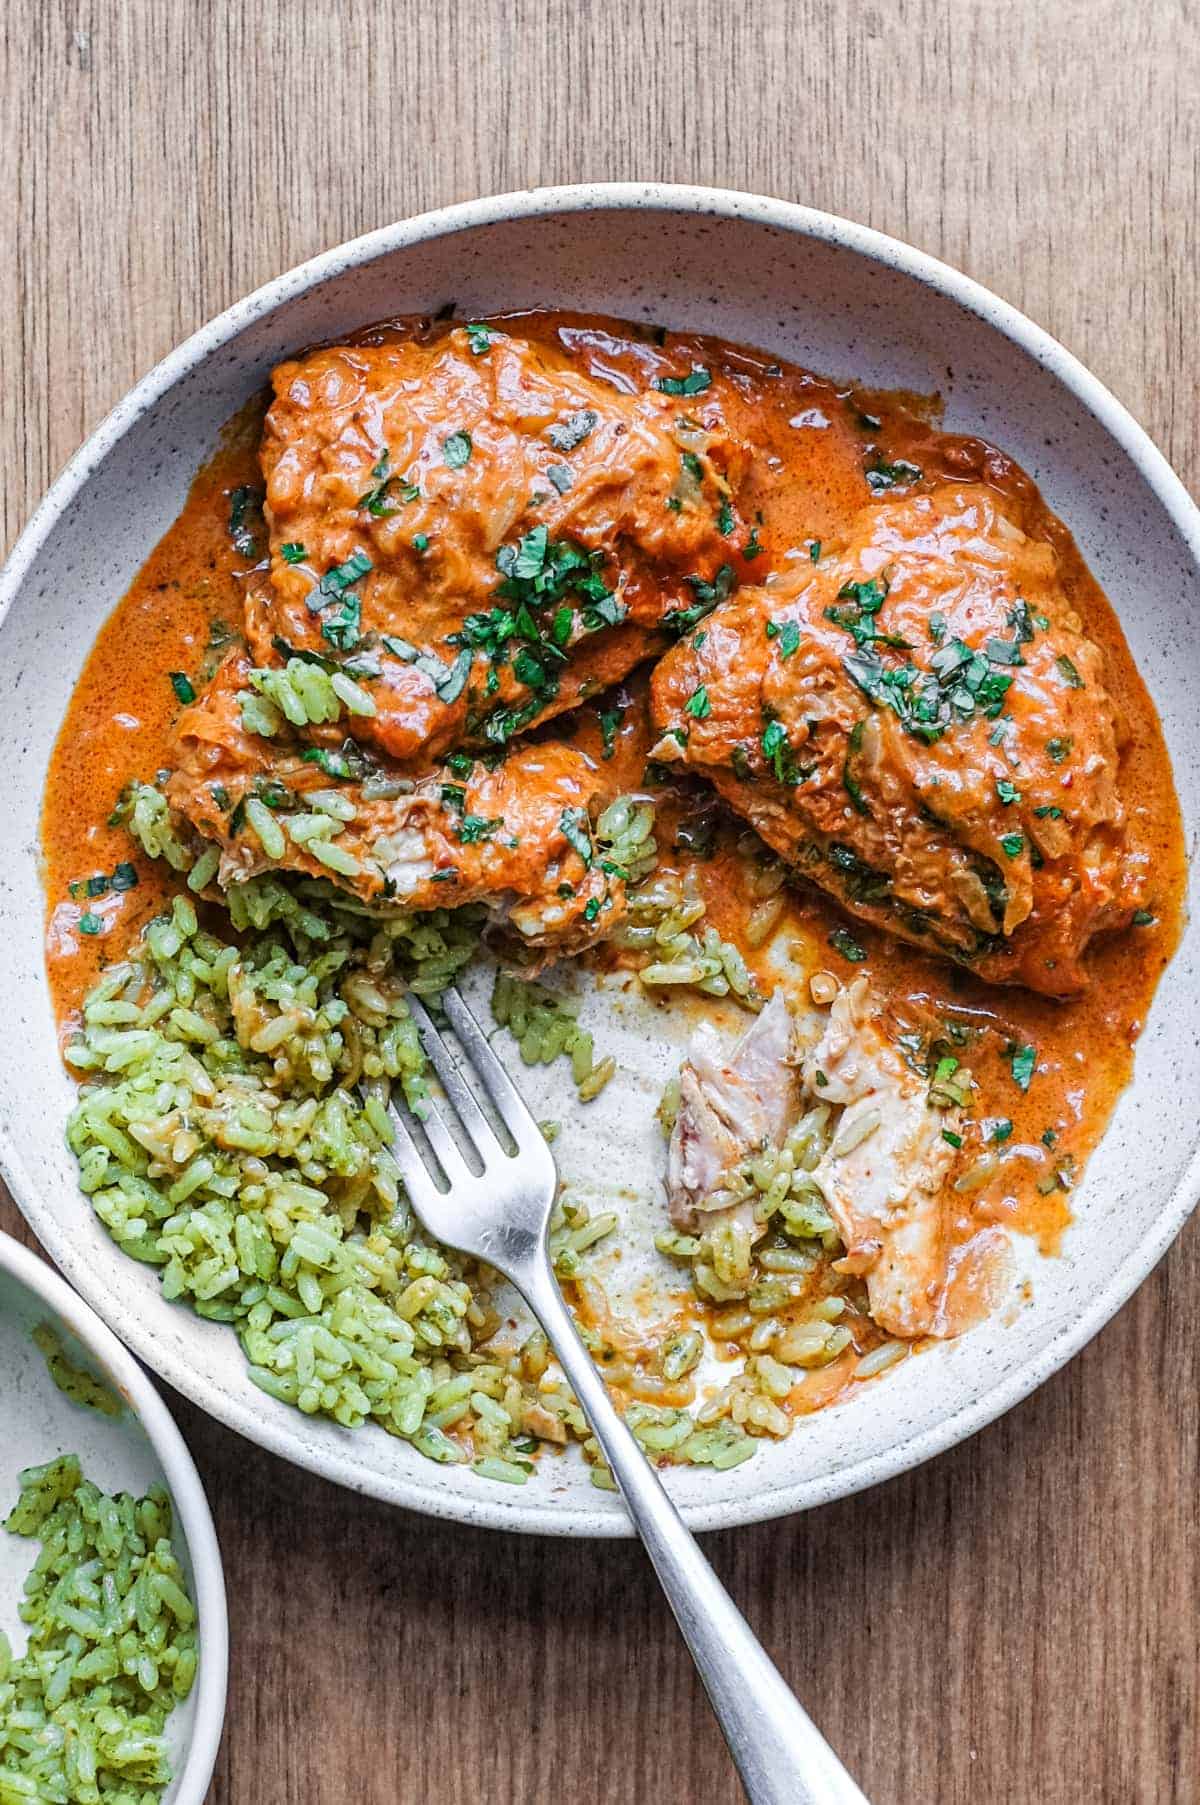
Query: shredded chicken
{"type": "Point", "coordinates": [883, 1175]}
{"type": "Point", "coordinates": [730, 1106]}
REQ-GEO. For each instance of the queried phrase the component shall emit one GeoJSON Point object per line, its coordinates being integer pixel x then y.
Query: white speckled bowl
{"type": "Point", "coordinates": [828, 294]}
{"type": "Point", "coordinates": [127, 1454]}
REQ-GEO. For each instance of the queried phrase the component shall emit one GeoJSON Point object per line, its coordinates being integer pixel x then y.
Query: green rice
{"type": "Point", "coordinates": [665, 926]}
{"type": "Point", "coordinates": [76, 1382]}
{"type": "Point", "coordinates": [232, 1132]}
{"type": "Point", "coordinates": [111, 1650]}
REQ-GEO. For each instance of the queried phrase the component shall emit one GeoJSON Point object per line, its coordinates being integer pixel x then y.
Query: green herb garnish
{"type": "Point", "coordinates": [245, 503]}
{"type": "Point", "coordinates": [881, 475]}
{"type": "Point", "coordinates": [182, 686]}
{"type": "Point", "coordinates": [847, 946]}
{"type": "Point", "coordinates": [566, 434]}
{"type": "Point", "coordinates": [694, 383]}
{"type": "Point", "coordinates": [1022, 1062]}
{"type": "Point", "coordinates": [576, 830]}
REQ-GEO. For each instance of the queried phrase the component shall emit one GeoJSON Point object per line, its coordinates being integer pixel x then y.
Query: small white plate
{"type": "Point", "coordinates": [830, 295]}
{"type": "Point", "coordinates": [126, 1453]}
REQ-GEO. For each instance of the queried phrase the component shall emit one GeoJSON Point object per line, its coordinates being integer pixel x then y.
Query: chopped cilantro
{"type": "Point", "coordinates": [478, 337]}
{"type": "Point", "coordinates": [454, 797]}
{"type": "Point", "coordinates": [335, 582]}
{"type": "Point", "coordinates": [1021, 622]}
{"type": "Point", "coordinates": [955, 1140]}
{"type": "Point", "coordinates": [937, 627]}
{"type": "Point", "coordinates": [1022, 1062]}
{"type": "Point", "coordinates": [694, 383]}
{"type": "Point", "coordinates": [881, 475]}
{"type": "Point", "coordinates": [182, 686]}
{"type": "Point", "coordinates": [1049, 1137]}
{"type": "Point", "coordinates": [788, 635]}
{"type": "Point", "coordinates": [708, 595]}
{"type": "Point", "coordinates": [610, 721]}
{"type": "Point", "coordinates": [292, 553]}
{"type": "Point", "coordinates": [1008, 792]}
{"type": "Point", "coordinates": [860, 619]}
{"type": "Point", "coordinates": [845, 943]}
{"type": "Point", "coordinates": [91, 924]}
{"type": "Point", "coordinates": [814, 551]}
{"type": "Point", "coordinates": [1058, 750]}
{"type": "Point", "coordinates": [1001, 652]}
{"type": "Point", "coordinates": [245, 504]}
{"type": "Point", "coordinates": [473, 828]}
{"type": "Point", "coordinates": [576, 830]}
{"type": "Point", "coordinates": [457, 449]}
{"type": "Point", "coordinates": [753, 546]}
{"type": "Point", "coordinates": [1142, 918]}
{"type": "Point", "coordinates": [1067, 672]}
{"type": "Point", "coordinates": [420, 543]}
{"type": "Point", "coordinates": [349, 764]}
{"type": "Point", "coordinates": [851, 784]}
{"type": "Point", "coordinates": [725, 518]}
{"type": "Point", "coordinates": [999, 1130]}
{"type": "Point", "coordinates": [1013, 844]}
{"type": "Point", "coordinates": [698, 704]}
{"type": "Point", "coordinates": [566, 434]}
{"type": "Point", "coordinates": [1049, 811]}
{"type": "Point", "coordinates": [778, 754]}
{"type": "Point", "coordinates": [343, 629]}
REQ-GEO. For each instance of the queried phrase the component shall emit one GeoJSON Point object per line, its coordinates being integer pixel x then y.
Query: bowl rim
{"type": "Point", "coordinates": [192, 1777]}
{"type": "Point", "coordinates": [698, 202]}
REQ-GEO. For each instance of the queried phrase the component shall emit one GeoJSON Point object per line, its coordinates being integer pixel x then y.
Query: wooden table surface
{"type": "Point", "coordinates": [1017, 1621]}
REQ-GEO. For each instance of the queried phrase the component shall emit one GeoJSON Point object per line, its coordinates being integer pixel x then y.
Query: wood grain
{"type": "Point", "coordinates": [1018, 1621]}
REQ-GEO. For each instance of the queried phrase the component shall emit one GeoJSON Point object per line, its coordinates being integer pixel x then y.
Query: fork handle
{"type": "Point", "coordinates": [780, 1754]}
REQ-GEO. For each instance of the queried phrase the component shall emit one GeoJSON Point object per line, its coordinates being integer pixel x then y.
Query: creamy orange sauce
{"type": "Point", "coordinates": [805, 482]}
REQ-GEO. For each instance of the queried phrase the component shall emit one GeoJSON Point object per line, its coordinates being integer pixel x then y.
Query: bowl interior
{"type": "Point", "coordinates": [40, 1423]}
{"type": "Point", "coordinates": [828, 295]}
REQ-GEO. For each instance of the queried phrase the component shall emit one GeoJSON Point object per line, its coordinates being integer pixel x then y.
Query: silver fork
{"type": "Point", "coordinates": [501, 1213]}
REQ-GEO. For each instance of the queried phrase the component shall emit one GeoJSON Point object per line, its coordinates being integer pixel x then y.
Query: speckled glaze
{"type": "Point", "coordinates": [828, 294]}
{"type": "Point", "coordinates": [142, 1447]}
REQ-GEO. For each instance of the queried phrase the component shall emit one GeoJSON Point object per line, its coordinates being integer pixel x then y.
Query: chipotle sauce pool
{"type": "Point", "coordinates": [1047, 1072]}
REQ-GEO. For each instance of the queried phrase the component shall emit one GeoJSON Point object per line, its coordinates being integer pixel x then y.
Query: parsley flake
{"type": "Point", "coordinates": [694, 383]}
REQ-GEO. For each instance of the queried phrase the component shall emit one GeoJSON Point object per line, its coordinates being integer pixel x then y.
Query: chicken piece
{"type": "Point", "coordinates": [517, 838]}
{"type": "Point", "coordinates": [731, 1106]}
{"type": "Point", "coordinates": [504, 532]}
{"type": "Point", "coordinates": [917, 723]}
{"type": "Point", "coordinates": [883, 1175]}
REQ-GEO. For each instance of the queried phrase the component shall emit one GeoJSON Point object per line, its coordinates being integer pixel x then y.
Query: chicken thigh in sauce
{"type": "Point", "coordinates": [518, 838]}
{"type": "Point", "coordinates": [500, 532]}
{"type": "Point", "coordinates": [916, 721]}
